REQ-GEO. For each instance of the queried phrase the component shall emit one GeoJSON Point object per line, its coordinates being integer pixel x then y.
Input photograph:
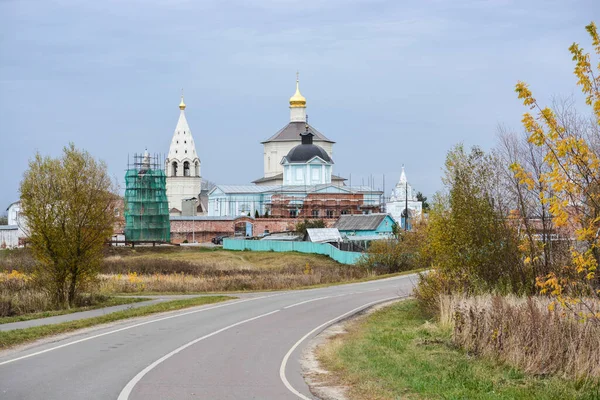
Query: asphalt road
{"type": "Point", "coordinates": [242, 349]}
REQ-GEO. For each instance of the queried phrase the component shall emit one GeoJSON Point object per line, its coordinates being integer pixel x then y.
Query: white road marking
{"type": "Point", "coordinates": [289, 353]}
{"type": "Point", "coordinates": [130, 327]}
{"type": "Point", "coordinates": [329, 297]}
{"type": "Point", "coordinates": [124, 395]}
{"type": "Point", "coordinates": [307, 301]}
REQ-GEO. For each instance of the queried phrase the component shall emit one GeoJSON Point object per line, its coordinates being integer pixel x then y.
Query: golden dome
{"type": "Point", "coordinates": [297, 100]}
{"type": "Point", "coordinates": [182, 104]}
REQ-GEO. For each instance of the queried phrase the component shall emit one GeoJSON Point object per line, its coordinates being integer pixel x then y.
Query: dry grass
{"type": "Point", "coordinates": [21, 299]}
{"type": "Point", "coordinates": [229, 281]}
{"type": "Point", "coordinates": [201, 261]}
{"type": "Point", "coordinates": [524, 333]}
{"type": "Point", "coordinates": [172, 269]}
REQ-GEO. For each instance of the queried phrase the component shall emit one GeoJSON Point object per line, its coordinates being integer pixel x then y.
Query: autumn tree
{"type": "Point", "coordinates": [570, 151]}
{"type": "Point", "coordinates": [68, 205]}
{"type": "Point", "coordinates": [469, 241]}
{"type": "Point", "coordinates": [542, 246]}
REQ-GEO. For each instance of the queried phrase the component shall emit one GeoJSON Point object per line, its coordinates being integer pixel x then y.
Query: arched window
{"type": "Point", "coordinates": [197, 168]}
{"type": "Point", "coordinates": [186, 168]}
{"type": "Point", "coordinates": [174, 168]}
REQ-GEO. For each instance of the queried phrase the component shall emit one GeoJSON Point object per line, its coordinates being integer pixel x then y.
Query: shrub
{"type": "Point", "coordinates": [301, 227]}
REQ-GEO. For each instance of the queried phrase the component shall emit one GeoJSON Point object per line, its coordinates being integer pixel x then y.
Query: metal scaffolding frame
{"type": "Point", "coordinates": [146, 205]}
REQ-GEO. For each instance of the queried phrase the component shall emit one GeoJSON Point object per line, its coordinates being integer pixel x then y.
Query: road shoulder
{"type": "Point", "coordinates": [323, 383]}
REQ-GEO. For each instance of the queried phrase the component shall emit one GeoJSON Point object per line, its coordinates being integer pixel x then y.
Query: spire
{"type": "Point", "coordinates": [182, 104]}
{"type": "Point", "coordinates": [297, 100]}
{"type": "Point", "coordinates": [403, 176]}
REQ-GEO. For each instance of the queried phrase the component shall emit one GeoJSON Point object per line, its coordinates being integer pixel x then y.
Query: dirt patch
{"type": "Point", "coordinates": [321, 382]}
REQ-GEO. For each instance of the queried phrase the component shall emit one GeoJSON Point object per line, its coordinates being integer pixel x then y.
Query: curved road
{"type": "Point", "coordinates": [241, 349]}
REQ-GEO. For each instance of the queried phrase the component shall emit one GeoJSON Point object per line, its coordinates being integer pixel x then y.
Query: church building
{"type": "Point", "coordinates": [298, 181]}
{"type": "Point", "coordinates": [279, 145]}
{"type": "Point", "coordinates": [182, 166]}
{"type": "Point", "coordinates": [403, 197]}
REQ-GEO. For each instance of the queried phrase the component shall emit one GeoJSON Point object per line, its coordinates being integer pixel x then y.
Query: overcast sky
{"type": "Point", "coordinates": [392, 82]}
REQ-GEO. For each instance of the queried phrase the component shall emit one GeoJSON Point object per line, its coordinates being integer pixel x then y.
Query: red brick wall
{"type": "Point", "coordinates": [335, 203]}
{"type": "Point", "coordinates": [204, 231]}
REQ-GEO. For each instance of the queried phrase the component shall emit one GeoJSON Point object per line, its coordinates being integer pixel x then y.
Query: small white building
{"type": "Point", "coordinates": [11, 233]}
{"type": "Point", "coordinates": [182, 165]}
{"type": "Point", "coordinates": [402, 198]}
{"type": "Point", "coordinates": [14, 213]}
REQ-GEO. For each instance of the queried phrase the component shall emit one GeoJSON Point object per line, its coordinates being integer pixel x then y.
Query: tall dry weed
{"type": "Point", "coordinates": [525, 333]}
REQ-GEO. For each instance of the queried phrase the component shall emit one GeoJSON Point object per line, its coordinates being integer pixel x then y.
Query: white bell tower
{"type": "Point", "coordinates": [182, 165]}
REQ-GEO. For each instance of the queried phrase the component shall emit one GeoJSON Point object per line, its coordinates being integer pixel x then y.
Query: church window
{"type": "Point", "coordinates": [186, 152]}
{"type": "Point", "coordinates": [185, 142]}
{"type": "Point", "coordinates": [197, 168]}
{"type": "Point", "coordinates": [178, 142]}
{"type": "Point", "coordinates": [186, 168]}
{"type": "Point", "coordinates": [330, 213]}
{"type": "Point", "coordinates": [293, 213]}
{"type": "Point", "coordinates": [315, 213]}
{"type": "Point", "coordinates": [174, 169]}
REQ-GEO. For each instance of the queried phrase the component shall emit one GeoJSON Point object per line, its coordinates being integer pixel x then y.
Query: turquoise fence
{"type": "Point", "coordinates": [343, 257]}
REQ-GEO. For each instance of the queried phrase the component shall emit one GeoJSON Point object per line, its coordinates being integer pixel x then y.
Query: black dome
{"type": "Point", "coordinates": [305, 152]}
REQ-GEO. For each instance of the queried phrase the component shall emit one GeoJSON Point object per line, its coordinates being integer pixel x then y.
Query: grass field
{"type": "Point", "coordinates": [397, 353]}
{"type": "Point", "coordinates": [108, 302]}
{"type": "Point", "coordinates": [201, 270]}
{"type": "Point", "coordinates": [20, 336]}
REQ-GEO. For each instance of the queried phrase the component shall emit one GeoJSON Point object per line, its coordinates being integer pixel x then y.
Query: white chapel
{"type": "Point", "coordinates": [402, 198]}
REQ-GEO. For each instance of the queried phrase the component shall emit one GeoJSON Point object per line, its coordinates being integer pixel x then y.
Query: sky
{"type": "Point", "coordinates": [392, 82]}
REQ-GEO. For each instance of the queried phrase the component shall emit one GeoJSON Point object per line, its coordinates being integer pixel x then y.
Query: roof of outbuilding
{"type": "Point", "coordinates": [291, 133]}
{"type": "Point", "coordinates": [360, 222]}
{"type": "Point", "coordinates": [13, 203]}
{"type": "Point", "coordinates": [323, 235]}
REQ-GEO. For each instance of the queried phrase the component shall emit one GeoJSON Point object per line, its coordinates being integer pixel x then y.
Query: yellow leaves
{"type": "Point", "coordinates": [308, 269]}
{"type": "Point", "coordinates": [14, 275]}
{"type": "Point", "coordinates": [524, 93]}
{"type": "Point", "coordinates": [132, 277]}
{"type": "Point", "coordinates": [591, 28]}
{"type": "Point", "coordinates": [525, 178]}
{"type": "Point", "coordinates": [590, 276]}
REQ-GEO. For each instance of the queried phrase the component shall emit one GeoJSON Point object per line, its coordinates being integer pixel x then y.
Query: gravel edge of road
{"type": "Point", "coordinates": [315, 376]}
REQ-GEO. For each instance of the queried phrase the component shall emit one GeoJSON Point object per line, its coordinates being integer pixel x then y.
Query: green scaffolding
{"type": "Point", "coordinates": [146, 206]}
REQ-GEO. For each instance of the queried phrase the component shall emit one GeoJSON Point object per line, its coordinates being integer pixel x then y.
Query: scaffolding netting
{"type": "Point", "coordinates": [146, 205]}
